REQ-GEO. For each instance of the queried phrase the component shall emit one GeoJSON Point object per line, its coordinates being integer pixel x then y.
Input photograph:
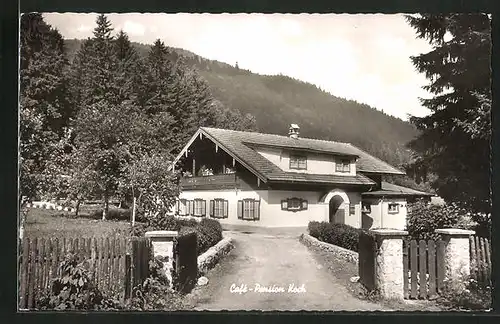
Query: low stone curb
{"type": "Point", "coordinates": [212, 256]}
{"type": "Point", "coordinates": [345, 254]}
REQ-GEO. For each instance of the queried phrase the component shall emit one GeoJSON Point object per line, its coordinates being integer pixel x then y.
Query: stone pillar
{"type": "Point", "coordinates": [163, 246]}
{"type": "Point", "coordinates": [456, 252]}
{"type": "Point", "coordinates": [389, 262]}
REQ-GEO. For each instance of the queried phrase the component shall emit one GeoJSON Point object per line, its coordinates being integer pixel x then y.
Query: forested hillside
{"type": "Point", "coordinates": [276, 101]}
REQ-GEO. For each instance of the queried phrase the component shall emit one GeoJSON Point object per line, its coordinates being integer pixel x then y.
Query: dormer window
{"type": "Point", "coordinates": [343, 166]}
{"type": "Point", "coordinates": [298, 162]}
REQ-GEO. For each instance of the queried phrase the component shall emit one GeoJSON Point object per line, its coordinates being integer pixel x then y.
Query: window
{"type": "Point", "coordinates": [249, 209]}
{"type": "Point", "coordinates": [294, 204]}
{"type": "Point", "coordinates": [182, 207]}
{"type": "Point", "coordinates": [352, 209]}
{"type": "Point", "coordinates": [199, 208]}
{"type": "Point", "coordinates": [343, 166]}
{"type": "Point", "coordinates": [298, 162]}
{"type": "Point", "coordinates": [218, 208]}
{"type": "Point", "coordinates": [366, 207]}
{"type": "Point", "coordinates": [393, 208]}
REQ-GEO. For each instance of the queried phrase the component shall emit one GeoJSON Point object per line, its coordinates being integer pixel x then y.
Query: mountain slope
{"type": "Point", "coordinates": [277, 101]}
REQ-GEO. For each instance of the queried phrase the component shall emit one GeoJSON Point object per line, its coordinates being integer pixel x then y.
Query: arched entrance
{"type": "Point", "coordinates": [337, 201]}
{"type": "Point", "coordinates": [337, 213]}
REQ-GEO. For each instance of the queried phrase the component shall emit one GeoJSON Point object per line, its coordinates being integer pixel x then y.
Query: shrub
{"type": "Point", "coordinates": [423, 219]}
{"type": "Point", "coordinates": [469, 296]}
{"type": "Point", "coordinates": [74, 290]}
{"type": "Point", "coordinates": [209, 233]}
{"type": "Point", "coordinates": [337, 234]}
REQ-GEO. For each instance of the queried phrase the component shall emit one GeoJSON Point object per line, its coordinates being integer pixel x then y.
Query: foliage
{"type": "Point", "coordinates": [337, 234]}
{"type": "Point", "coordinates": [424, 218]}
{"type": "Point", "coordinates": [466, 294]}
{"type": "Point", "coordinates": [270, 103]}
{"type": "Point", "coordinates": [154, 293]}
{"type": "Point", "coordinates": [75, 290]}
{"type": "Point", "coordinates": [45, 105]}
{"type": "Point", "coordinates": [155, 187]}
{"type": "Point", "coordinates": [454, 142]}
{"type": "Point", "coordinates": [209, 233]}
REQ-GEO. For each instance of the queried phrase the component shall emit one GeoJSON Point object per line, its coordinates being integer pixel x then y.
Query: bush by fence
{"type": "Point", "coordinates": [209, 231]}
{"type": "Point", "coordinates": [338, 234]}
{"type": "Point", "coordinates": [111, 264]}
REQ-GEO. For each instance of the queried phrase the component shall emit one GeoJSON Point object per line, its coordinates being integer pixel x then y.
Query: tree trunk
{"type": "Point", "coordinates": [77, 208]}
{"type": "Point", "coordinates": [133, 212]}
{"type": "Point", "coordinates": [106, 207]}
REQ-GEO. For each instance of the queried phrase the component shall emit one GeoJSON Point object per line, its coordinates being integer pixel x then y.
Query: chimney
{"type": "Point", "coordinates": [294, 131]}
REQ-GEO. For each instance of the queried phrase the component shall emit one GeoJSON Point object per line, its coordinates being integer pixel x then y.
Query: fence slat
{"type": "Point", "coordinates": [48, 260]}
{"type": "Point", "coordinates": [32, 272]}
{"type": "Point", "coordinates": [413, 268]}
{"type": "Point", "coordinates": [406, 277]}
{"type": "Point", "coordinates": [24, 274]}
{"type": "Point", "coordinates": [128, 279]}
{"type": "Point", "coordinates": [422, 265]}
{"type": "Point", "coordinates": [42, 266]}
{"type": "Point", "coordinates": [488, 259]}
{"type": "Point", "coordinates": [440, 265]}
{"type": "Point", "coordinates": [55, 258]}
{"type": "Point", "coordinates": [431, 263]}
{"type": "Point", "coordinates": [479, 256]}
{"type": "Point", "coordinates": [101, 263]}
{"type": "Point", "coordinates": [484, 265]}
{"type": "Point", "coordinates": [106, 264]}
{"type": "Point", "coordinates": [473, 257]}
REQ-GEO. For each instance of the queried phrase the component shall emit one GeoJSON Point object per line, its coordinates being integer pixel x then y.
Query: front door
{"type": "Point", "coordinates": [337, 214]}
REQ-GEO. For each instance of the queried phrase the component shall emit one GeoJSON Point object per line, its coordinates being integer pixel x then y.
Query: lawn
{"type": "Point", "coordinates": [54, 223]}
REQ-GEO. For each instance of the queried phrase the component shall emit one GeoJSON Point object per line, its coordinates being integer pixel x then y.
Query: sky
{"type": "Point", "coordinates": [362, 57]}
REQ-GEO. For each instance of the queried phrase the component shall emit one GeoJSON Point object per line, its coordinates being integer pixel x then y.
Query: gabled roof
{"type": "Point", "coordinates": [241, 145]}
{"type": "Point", "coordinates": [390, 189]}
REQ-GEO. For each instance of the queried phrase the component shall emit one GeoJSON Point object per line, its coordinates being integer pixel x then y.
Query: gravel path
{"type": "Point", "coordinates": [276, 263]}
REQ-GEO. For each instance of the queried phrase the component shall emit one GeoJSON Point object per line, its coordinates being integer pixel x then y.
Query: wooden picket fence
{"type": "Point", "coordinates": [480, 257]}
{"type": "Point", "coordinates": [115, 264]}
{"type": "Point", "coordinates": [423, 269]}
{"type": "Point", "coordinates": [367, 249]}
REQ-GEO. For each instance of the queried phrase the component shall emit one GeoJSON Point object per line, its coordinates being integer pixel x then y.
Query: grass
{"type": "Point", "coordinates": [54, 223]}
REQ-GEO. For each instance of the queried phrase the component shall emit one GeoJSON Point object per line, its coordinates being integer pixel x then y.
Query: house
{"type": "Point", "coordinates": [247, 178]}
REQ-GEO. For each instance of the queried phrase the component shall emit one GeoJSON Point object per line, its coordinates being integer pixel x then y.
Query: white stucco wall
{"type": "Point", "coordinates": [271, 214]}
{"type": "Point", "coordinates": [381, 216]}
{"type": "Point", "coordinates": [316, 163]}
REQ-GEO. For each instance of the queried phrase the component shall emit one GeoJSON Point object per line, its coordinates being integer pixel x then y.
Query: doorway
{"type": "Point", "coordinates": [337, 213]}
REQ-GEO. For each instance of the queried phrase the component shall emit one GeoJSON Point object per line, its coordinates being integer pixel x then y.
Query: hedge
{"type": "Point", "coordinates": [337, 234]}
{"type": "Point", "coordinates": [208, 231]}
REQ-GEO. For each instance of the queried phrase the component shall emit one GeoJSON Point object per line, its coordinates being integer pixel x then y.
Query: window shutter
{"type": "Point", "coordinates": [204, 208]}
{"type": "Point", "coordinates": [211, 208]}
{"type": "Point", "coordinates": [191, 207]}
{"type": "Point", "coordinates": [304, 205]}
{"type": "Point", "coordinates": [256, 211]}
{"type": "Point", "coordinates": [240, 209]}
{"type": "Point", "coordinates": [284, 205]}
{"type": "Point", "coordinates": [226, 207]}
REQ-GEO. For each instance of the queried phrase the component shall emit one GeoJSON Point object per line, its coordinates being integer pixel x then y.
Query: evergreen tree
{"type": "Point", "coordinates": [454, 142]}
{"type": "Point", "coordinates": [45, 105]}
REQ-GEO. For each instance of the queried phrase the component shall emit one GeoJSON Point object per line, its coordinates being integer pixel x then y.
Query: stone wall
{"type": "Point", "coordinates": [212, 256]}
{"type": "Point", "coordinates": [337, 251]}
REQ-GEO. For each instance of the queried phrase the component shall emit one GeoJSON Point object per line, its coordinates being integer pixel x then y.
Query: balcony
{"type": "Point", "coordinates": [211, 182]}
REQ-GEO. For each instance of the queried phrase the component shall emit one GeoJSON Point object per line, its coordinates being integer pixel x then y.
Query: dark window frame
{"type": "Point", "coordinates": [244, 214]}
{"type": "Point", "coordinates": [224, 208]}
{"type": "Point", "coordinates": [343, 166]}
{"type": "Point", "coordinates": [393, 211]}
{"type": "Point", "coordinates": [296, 165]}
{"type": "Point", "coordinates": [303, 204]}
{"type": "Point", "coordinates": [203, 207]}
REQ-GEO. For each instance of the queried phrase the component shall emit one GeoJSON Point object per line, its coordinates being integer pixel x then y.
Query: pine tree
{"type": "Point", "coordinates": [454, 142]}
{"type": "Point", "coordinates": [45, 105]}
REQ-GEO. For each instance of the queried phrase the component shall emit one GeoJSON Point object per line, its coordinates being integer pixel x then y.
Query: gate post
{"type": "Point", "coordinates": [163, 242]}
{"type": "Point", "coordinates": [456, 253]}
{"type": "Point", "coordinates": [389, 280]}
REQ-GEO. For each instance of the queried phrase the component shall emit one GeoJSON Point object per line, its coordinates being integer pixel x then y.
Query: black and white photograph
{"type": "Point", "coordinates": [254, 162]}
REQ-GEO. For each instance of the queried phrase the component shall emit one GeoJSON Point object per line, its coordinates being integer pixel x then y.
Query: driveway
{"type": "Point", "coordinates": [273, 272]}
